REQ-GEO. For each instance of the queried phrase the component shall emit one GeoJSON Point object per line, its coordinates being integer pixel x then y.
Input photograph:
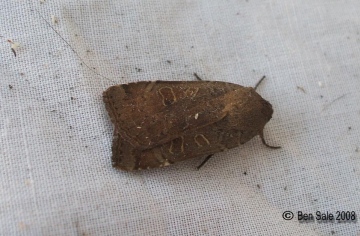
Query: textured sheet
{"type": "Point", "coordinates": [56, 176]}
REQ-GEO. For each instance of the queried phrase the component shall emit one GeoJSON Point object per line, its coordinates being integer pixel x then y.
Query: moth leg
{"type": "Point", "coordinates": [202, 163]}
{"type": "Point", "coordinates": [259, 82]}
{"type": "Point", "coordinates": [197, 77]}
{"type": "Point", "coordinates": [264, 142]}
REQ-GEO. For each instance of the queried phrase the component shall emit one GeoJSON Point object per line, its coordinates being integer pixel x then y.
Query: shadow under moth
{"type": "Point", "coordinates": [159, 123]}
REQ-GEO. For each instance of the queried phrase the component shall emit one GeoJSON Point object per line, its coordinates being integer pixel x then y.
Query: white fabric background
{"type": "Point", "coordinates": [56, 176]}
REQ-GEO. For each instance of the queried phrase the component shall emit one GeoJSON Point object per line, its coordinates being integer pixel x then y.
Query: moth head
{"type": "Point", "coordinates": [259, 107]}
{"type": "Point", "coordinates": [255, 112]}
{"type": "Point", "coordinates": [266, 110]}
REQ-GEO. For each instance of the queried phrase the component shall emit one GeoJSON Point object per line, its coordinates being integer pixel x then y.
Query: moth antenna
{"type": "Point", "coordinates": [202, 163]}
{"type": "Point", "coordinates": [197, 77]}
{"type": "Point", "coordinates": [264, 142]}
{"type": "Point", "coordinates": [77, 54]}
{"type": "Point", "coordinates": [13, 50]}
{"type": "Point", "coordinates": [258, 83]}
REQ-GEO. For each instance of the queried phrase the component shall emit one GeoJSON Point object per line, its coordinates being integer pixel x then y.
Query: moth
{"type": "Point", "coordinates": [159, 123]}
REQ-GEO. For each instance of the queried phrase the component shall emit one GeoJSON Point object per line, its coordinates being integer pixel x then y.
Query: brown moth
{"type": "Point", "coordinates": [162, 122]}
